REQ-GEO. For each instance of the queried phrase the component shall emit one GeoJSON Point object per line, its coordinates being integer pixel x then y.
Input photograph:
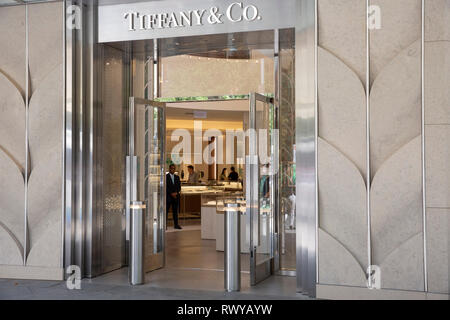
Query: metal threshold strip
{"type": "Point", "coordinates": [202, 269]}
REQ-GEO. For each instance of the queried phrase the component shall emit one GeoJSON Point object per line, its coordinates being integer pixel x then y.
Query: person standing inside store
{"type": "Point", "coordinates": [233, 176]}
{"type": "Point", "coordinates": [194, 177]}
{"type": "Point", "coordinates": [223, 176]}
{"type": "Point", "coordinates": [173, 189]}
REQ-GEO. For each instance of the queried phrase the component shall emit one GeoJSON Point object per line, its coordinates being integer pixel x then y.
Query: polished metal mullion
{"type": "Point", "coordinates": [80, 126]}
{"type": "Point", "coordinates": [424, 194]}
{"type": "Point", "coordinates": [27, 158]}
{"type": "Point", "coordinates": [163, 186]}
{"type": "Point", "coordinates": [98, 156]}
{"type": "Point", "coordinates": [305, 128]}
{"type": "Point", "coordinates": [127, 80]}
{"type": "Point", "coordinates": [63, 151]}
{"type": "Point", "coordinates": [132, 164]}
{"type": "Point", "coordinates": [156, 68]}
{"type": "Point", "coordinates": [316, 137]}
{"type": "Point", "coordinates": [250, 190]}
{"type": "Point", "coordinates": [131, 128]}
{"type": "Point", "coordinates": [274, 181]}
{"type": "Point", "coordinates": [69, 142]}
{"type": "Point", "coordinates": [90, 237]}
{"type": "Point", "coordinates": [368, 162]}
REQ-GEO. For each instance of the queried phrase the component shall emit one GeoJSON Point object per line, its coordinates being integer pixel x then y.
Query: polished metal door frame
{"type": "Point", "coordinates": [306, 152]}
{"type": "Point", "coordinates": [132, 165]}
{"type": "Point", "coordinates": [261, 271]}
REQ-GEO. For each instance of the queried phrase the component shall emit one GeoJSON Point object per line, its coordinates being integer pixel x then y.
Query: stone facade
{"type": "Point", "coordinates": [437, 146]}
{"type": "Point", "coordinates": [397, 237]}
{"type": "Point", "coordinates": [31, 181]}
{"type": "Point", "coordinates": [31, 178]}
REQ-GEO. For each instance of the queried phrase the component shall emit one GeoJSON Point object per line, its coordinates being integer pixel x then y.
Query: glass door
{"type": "Point", "coordinates": [146, 175]}
{"type": "Point", "coordinates": [261, 186]}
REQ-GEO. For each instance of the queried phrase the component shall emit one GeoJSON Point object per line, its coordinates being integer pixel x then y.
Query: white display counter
{"type": "Point", "coordinates": [213, 228]}
{"type": "Point", "coordinates": [220, 233]}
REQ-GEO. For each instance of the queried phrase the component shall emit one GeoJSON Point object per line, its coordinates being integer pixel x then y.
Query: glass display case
{"type": "Point", "coordinates": [232, 198]}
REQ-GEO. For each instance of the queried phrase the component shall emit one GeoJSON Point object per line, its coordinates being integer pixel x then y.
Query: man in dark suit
{"type": "Point", "coordinates": [173, 189]}
{"type": "Point", "coordinates": [233, 176]}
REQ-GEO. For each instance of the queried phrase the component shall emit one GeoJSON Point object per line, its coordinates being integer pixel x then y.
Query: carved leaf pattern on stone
{"type": "Point", "coordinates": [12, 170]}
{"type": "Point", "coordinates": [45, 138]}
{"type": "Point", "coordinates": [395, 109]}
{"type": "Point", "coordinates": [12, 50]}
{"type": "Point", "coordinates": [12, 194]}
{"type": "Point", "coordinates": [45, 115]}
{"type": "Point", "coordinates": [337, 266]}
{"type": "Point", "coordinates": [402, 269]}
{"type": "Point", "coordinates": [396, 169]}
{"type": "Point", "coordinates": [400, 27]}
{"type": "Point", "coordinates": [397, 218]}
{"type": "Point", "coordinates": [342, 142]}
{"type": "Point", "coordinates": [342, 202]}
{"type": "Point", "coordinates": [396, 200]}
{"type": "Point", "coordinates": [342, 102]}
{"type": "Point", "coordinates": [43, 231]}
{"type": "Point", "coordinates": [396, 164]}
{"type": "Point", "coordinates": [342, 186]}
{"type": "Point", "coordinates": [12, 123]}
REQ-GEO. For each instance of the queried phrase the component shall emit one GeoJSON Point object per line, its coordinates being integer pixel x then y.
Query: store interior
{"type": "Point", "coordinates": [200, 244]}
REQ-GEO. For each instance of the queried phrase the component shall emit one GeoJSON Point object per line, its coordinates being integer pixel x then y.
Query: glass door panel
{"type": "Point", "coordinates": [261, 164]}
{"type": "Point", "coordinates": [146, 174]}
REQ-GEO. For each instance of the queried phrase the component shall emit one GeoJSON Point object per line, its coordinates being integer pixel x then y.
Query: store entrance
{"type": "Point", "coordinates": [191, 103]}
{"type": "Point", "coordinates": [193, 236]}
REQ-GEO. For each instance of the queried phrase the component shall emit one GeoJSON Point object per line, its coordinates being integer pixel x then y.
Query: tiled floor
{"type": "Point", "coordinates": [186, 250]}
{"type": "Point", "coordinates": [194, 270]}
